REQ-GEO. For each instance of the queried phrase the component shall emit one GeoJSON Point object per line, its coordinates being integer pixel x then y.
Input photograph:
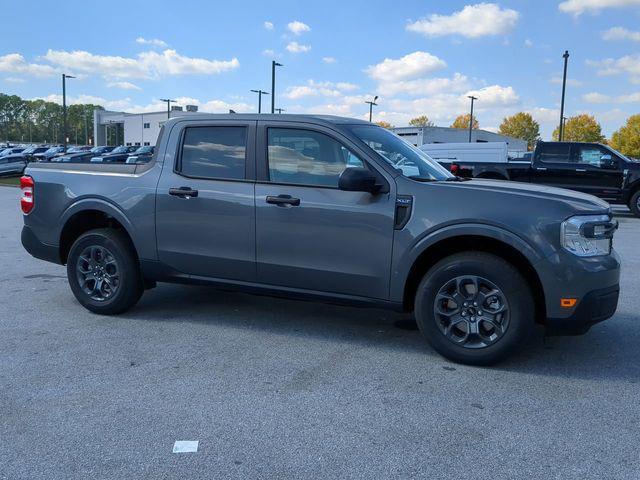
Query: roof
{"type": "Point", "coordinates": [283, 117]}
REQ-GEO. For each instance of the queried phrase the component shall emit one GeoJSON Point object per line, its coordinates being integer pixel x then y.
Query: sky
{"type": "Point", "coordinates": [419, 57]}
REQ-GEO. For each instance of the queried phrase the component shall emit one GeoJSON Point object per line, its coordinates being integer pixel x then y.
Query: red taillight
{"type": "Point", "coordinates": [26, 202]}
{"type": "Point", "coordinates": [454, 168]}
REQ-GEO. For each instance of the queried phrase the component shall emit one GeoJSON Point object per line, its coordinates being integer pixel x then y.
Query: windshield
{"type": "Point", "coordinates": [144, 150]}
{"type": "Point", "coordinates": [403, 156]}
{"type": "Point", "coordinates": [29, 150]}
{"type": "Point", "coordinates": [53, 150]}
{"type": "Point", "coordinates": [120, 150]}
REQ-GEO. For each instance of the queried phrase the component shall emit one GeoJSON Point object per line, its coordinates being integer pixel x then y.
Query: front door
{"type": "Point", "coordinates": [205, 212]}
{"type": "Point", "coordinates": [309, 234]}
{"type": "Point", "coordinates": [599, 170]}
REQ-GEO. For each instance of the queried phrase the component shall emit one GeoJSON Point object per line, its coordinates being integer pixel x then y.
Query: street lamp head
{"type": "Point", "coordinates": [472, 97]}
{"type": "Point", "coordinates": [277, 64]}
{"type": "Point", "coordinates": [375, 98]}
{"type": "Point", "coordinates": [67, 76]}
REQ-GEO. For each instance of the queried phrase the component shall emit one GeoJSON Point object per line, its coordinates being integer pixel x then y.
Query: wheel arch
{"type": "Point", "coordinates": [511, 248]}
{"type": "Point", "coordinates": [88, 215]}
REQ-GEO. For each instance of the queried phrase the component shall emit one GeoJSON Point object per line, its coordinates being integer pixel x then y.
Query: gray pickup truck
{"type": "Point", "coordinates": [316, 207]}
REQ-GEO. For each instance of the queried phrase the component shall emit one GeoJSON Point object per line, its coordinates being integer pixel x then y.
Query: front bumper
{"type": "Point", "coordinates": [594, 282]}
{"type": "Point", "coordinates": [595, 306]}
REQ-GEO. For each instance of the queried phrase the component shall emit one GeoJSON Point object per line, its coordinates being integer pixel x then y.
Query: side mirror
{"type": "Point", "coordinates": [358, 180]}
{"type": "Point", "coordinates": [606, 161]}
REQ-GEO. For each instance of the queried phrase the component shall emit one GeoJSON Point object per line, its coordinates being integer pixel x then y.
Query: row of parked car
{"type": "Point", "coordinates": [14, 159]}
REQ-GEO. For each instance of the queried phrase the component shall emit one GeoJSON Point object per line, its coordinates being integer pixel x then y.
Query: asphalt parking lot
{"type": "Point", "coordinates": [274, 388]}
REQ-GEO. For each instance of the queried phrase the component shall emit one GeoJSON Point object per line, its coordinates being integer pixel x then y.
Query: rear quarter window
{"type": "Point", "coordinates": [214, 152]}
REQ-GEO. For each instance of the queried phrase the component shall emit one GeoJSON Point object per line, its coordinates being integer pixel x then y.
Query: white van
{"type": "Point", "coordinates": [494, 152]}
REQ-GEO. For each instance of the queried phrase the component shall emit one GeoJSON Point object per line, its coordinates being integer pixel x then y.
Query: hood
{"type": "Point", "coordinates": [16, 156]}
{"type": "Point", "coordinates": [581, 202]}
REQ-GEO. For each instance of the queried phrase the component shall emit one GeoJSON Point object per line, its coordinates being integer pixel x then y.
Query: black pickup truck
{"type": "Point", "coordinates": [587, 167]}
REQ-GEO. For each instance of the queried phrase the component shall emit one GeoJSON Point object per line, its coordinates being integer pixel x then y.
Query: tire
{"type": "Point", "coordinates": [103, 272]}
{"type": "Point", "coordinates": [634, 203]}
{"type": "Point", "coordinates": [494, 328]}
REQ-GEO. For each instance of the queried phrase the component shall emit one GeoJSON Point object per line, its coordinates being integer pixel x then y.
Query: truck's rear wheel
{"type": "Point", "coordinates": [634, 203]}
{"type": "Point", "coordinates": [103, 272]}
{"type": "Point", "coordinates": [474, 308]}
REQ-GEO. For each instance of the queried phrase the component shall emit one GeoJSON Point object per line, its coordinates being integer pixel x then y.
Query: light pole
{"type": "Point", "coordinates": [274, 64]}
{"type": "Point", "coordinates": [280, 110]}
{"type": "Point", "coordinates": [86, 130]}
{"type": "Point", "coordinates": [169, 102]}
{"type": "Point", "coordinates": [564, 84]}
{"type": "Point", "coordinates": [371, 104]}
{"type": "Point", "coordinates": [64, 107]}
{"type": "Point", "coordinates": [260, 93]}
{"type": "Point", "coordinates": [471, 116]}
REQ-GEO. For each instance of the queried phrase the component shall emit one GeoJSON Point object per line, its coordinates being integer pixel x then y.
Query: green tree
{"type": "Point", "coordinates": [581, 128]}
{"type": "Point", "coordinates": [523, 126]}
{"type": "Point", "coordinates": [384, 124]}
{"type": "Point", "coordinates": [627, 138]}
{"type": "Point", "coordinates": [462, 121]}
{"type": "Point", "coordinates": [421, 121]}
{"type": "Point", "coordinates": [41, 121]}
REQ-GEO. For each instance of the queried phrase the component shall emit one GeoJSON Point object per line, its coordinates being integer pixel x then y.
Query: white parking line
{"type": "Point", "coordinates": [185, 446]}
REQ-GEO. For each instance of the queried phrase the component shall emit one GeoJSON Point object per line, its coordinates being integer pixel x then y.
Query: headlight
{"type": "Point", "coordinates": [588, 235]}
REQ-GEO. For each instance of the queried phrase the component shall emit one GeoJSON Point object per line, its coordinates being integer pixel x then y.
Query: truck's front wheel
{"type": "Point", "coordinates": [103, 272]}
{"type": "Point", "coordinates": [634, 203]}
{"type": "Point", "coordinates": [474, 308]}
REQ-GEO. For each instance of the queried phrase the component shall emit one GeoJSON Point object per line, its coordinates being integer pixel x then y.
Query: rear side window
{"type": "Point", "coordinates": [555, 152]}
{"type": "Point", "coordinates": [214, 152]}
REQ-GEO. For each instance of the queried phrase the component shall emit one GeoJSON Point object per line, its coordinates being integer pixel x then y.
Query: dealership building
{"type": "Point", "coordinates": [421, 135]}
{"type": "Point", "coordinates": [138, 128]}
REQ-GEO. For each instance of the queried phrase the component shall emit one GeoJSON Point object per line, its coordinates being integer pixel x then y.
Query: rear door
{"type": "Point", "coordinates": [205, 211]}
{"type": "Point", "coordinates": [322, 239]}
{"type": "Point", "coordinates": [554, 165]}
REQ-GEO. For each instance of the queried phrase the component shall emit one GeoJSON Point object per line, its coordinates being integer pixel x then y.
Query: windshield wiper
{"type": "Point", "coordinates": [457, 179]}
{"type": "Point", "coordinates": [422, 179]}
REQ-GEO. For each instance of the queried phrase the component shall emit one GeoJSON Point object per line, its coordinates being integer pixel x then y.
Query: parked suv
{"type": "Point", "coordinates": [332, 209]}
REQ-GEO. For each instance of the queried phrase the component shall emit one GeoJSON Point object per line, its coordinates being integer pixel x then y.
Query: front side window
{"type": "Point", "coordinates": [305, 157]}
{"type": "Point", "coordinates": [591, 155]}
{"type": "Point", "coordinates": [214, 152]}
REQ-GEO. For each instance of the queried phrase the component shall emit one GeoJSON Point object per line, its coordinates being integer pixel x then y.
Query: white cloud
{"type": "Point", "coordinates": [297, 27]}
{"type": "Point", "coordinates": [544, 115]}
{"type": "Point", "coordinates": [119, 104]}
{"type": "Point", "coordinates": [295, 47]}
{"type": "Point", "coordinates": [329, 60]}
{"type": "Point", "coordinates": [595, 97]}
{"type": "Point", "coordinates": [494, 95]}
{"type": "Point", "coordinates": [410, 66]}
{"type": "Point", "coordinates": [577, 7]}
{"type": "Point", "coordinates": [268, 25]}
{"type": "Point", "coordinates": [14, 80]}
{"type": "Point", "coordinates": [472, 21]}
{"type": "Point", "coordinates": [425, 86]}
{"type": "Point", "coordinates": [268, 52]}
{"type": "Point", "coordinates": [572, 82]}
{"type": "Point", "coordinates": [528, 43]}
{"type": "Point", "coordinates": [124, 85]}
{"type": "Point", "coordinates": [314, 89]}
{"type": "Point", "coordinates": [154, 42]}
{"type": "Point", "coordinates": [14, 63]}
{"type": "Point", "coordinates": [147, 64]}
{"type": "Point", "coordinates": [627, 65]}
{"type": "Point", "coordinates": [620, 33]}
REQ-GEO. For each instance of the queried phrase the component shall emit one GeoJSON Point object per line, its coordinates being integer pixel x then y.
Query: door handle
{"type": "Point", "coordinates": [183, 192]}
{"type": "Point", "coordinates": [541, 168]}
{"type": "Point", "coordinates": [283, 200]}
{"type": "Point", "coordinates": [581, 169]}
